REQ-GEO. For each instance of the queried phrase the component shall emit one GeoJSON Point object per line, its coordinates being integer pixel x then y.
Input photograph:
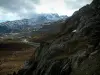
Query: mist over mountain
{"type": "Point", "coordinates": [20, 9]}
{"type": "Point", "coordinates": [25, 24]}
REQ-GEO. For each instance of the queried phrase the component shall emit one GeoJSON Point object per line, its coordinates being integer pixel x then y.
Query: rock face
{"type": "Point", "coordinates": [75, 51]}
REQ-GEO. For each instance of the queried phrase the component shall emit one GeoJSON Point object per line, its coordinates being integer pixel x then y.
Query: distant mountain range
{"type": "Point", "coordinates": [29, 24]}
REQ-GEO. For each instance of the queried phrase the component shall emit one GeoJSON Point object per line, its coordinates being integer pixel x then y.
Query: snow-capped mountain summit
{"type": "Point", "coordinates": [36, 22]}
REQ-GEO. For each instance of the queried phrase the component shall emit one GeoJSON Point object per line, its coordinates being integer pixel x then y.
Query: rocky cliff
{"type": "Point", "coordinates": [74, 51]}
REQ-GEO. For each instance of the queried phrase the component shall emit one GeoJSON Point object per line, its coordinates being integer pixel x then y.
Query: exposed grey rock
{"type": "Point", "coordinates": [72, 53]}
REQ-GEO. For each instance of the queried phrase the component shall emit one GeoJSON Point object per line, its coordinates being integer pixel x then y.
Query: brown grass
{"type": "Point", "coordinates": [13, 60]}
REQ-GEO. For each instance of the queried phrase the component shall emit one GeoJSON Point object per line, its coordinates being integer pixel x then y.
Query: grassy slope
{"type": "Point", "coordinates": [13, 55]}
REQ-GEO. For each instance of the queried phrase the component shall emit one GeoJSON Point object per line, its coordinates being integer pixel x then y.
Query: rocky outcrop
{"type": "Point", "coordinates": [75, 51]}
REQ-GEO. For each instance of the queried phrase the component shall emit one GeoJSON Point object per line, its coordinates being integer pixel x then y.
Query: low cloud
{"type": "Point", "coordinates": [19, 9]}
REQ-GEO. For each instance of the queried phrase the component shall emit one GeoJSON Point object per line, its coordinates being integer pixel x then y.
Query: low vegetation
{"type": "Point", "coordinates": [13, 55]}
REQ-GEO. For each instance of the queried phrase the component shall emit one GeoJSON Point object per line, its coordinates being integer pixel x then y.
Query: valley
{"type": "Point", "coordinates": [19, 39]}
{"type": "Point", "coordinates": [13, 55]}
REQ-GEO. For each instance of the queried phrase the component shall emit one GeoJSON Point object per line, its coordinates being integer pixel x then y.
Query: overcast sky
{"type": "Point", "coordinates": [19, 9]}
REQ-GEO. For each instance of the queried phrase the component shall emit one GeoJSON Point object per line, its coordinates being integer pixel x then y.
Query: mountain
{"type": "Point", "coordinates": [74, 51]}
{"type": "Point", "coordinates": [26, 24]}
{"type": "Point", "coordinates": [51, 28]}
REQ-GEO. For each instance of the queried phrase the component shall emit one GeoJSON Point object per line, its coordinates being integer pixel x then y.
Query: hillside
{"type": "Point", "coordinates": [28, 25]}
{"type": "Point", "coordinates": [13, 55]}
{"type": "Point", "coordinates": [74, 51]}
{"type": "Point", "coordinates": [26, 28]}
